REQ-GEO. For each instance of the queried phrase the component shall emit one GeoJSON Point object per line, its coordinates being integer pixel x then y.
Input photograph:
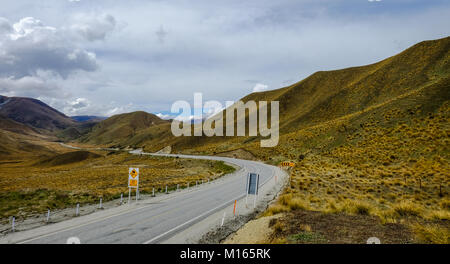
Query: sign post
{"type": "Point", "coordinates": [252, 187]}
{"type": "Point", "coordinates": [133, 182]}
{"type": "Point", "coordinates": [290, 165]}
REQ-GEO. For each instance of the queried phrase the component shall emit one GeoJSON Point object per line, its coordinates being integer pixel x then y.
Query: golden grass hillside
{"type": "Point", "coordinates": [377, 145]}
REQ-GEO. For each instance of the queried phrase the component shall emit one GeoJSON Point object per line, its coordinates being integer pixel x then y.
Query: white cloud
{"type": "Point", "coordinates": [259, 87]}
{"type": "Point", "coordinates": [164, 116]}
{"type": "Point", "coordinates": [84, 106]}
{"type": "Point", "coordinates": [31, 86]}
{"type": "Point", "coordinates": [94, 27]}
{"type": "Point", "coordinates": [80, 103]}
{"type": "Point", "coordinates": [118, 110]}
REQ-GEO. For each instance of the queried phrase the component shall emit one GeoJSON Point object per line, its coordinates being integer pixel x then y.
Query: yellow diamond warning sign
{"type": "Point", "coordinates": [134, 173]}
{"type": "Point", "coordinates": [133, 177]}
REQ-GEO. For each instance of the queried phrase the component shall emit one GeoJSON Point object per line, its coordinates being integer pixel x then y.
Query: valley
{"type": "Point", "coordinates": [370, 144]}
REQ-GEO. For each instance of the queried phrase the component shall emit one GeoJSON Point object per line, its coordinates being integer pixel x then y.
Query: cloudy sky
{"type": "Point", "coordinates": [103, 57]}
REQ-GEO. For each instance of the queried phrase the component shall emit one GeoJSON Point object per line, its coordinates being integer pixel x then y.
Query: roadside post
{"type": "Point", "coordinates": [77, 211]}
{"type": "Point", "coordinates": [48, 215]}
{"type": "Point", "coordinates": [291, 165]}
{"type": "Point", "coordinates": [153, 192]}
{"type": "Point", "coordinates": [246, 190]}
{"type": "Point", "coordinates": [121, 198]}
{"type": "Point", "coordinates": [13, 223]}
{"type": "Point", "coordinates": [234, 208]}
{"type": "Point", "coordinates": [100, 205]}
{"type": "Point", "coordinates": [252, 187]}
{"type": "Point", "coordinates": [223, 218]}
{"type": "Point", "coordinates": [133, 182]}
{"type": "Point", "coordinates": [166, 189]}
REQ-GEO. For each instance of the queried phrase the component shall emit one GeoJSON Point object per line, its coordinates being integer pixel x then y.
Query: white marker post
{"type": "Point", "coordinates": [77, 212]}
{"type": "Point", "coordinates": [247, 190]}
{"type": "Point", "coordinates": [223, 218]}
{"type": "Point", "coordinates": [48, 215]}
{"type": "Point", "coordinates": [166, 189]}
{"type": "Point", "coordinates": [121, 198]}
{"type": "Point", "coordinates": [14, 224]}
{"type": "Point", "coordinates": [178, 187]}
{"type": "Point", "coordinates": [153, 192]}
{"type": "Point", "coordinates": [257, 189]}
{"type": "Point", "coordinates": [129, 196]}
{"type": "Point", "coordinates": [101, 205]}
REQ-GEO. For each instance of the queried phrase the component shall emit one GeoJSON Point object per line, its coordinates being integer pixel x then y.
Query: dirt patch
{"type": "Point", "coordinates": [310, 227]}
{"type": "Point", "coordinates": [238, 154]}
{"type": "Point", "coordinates": [254, 232]}
{"type": "Point", "coordinates": [220, 234]}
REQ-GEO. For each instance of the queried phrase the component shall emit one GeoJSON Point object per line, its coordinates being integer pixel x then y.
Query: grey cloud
{"type": "Point", "coordinates": [5, 26]}
{"type": "Point", "coordinates": [31, 86]}
{"type": "Point", "coordinates": [94, 28]}
{"type": "Point", "coordinates": [161, 34]}
{"type": "Point", "coordinates": [31, 46]}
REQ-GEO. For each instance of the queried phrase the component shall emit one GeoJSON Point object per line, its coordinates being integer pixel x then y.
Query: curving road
{"type": "Point", "coordinates": [153, 220]}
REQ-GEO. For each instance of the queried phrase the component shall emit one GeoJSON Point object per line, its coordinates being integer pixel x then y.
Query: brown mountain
{"type": "Point", "coordinates": [127, 129]}
{"type": "Point", "coordinates": [34, 113]}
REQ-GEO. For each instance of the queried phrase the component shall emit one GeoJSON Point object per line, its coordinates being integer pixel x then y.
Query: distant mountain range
{"type": "Point", "coordinates": [88, 118]}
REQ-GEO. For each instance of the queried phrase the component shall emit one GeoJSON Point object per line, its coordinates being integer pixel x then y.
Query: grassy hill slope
{"type": "Point", "coordinates": [127, 129]}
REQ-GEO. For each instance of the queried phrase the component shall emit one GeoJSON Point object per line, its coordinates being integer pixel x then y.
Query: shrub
{"type": "Point", "coordinates": [439, 215]}
{"type": "Point", "coordinates": [297, 203]}
{"type": "Point", "coordinates": [357, 207]}
{"type": "Point", "coordinates": [407, 209]}
{"type": "Point", "coordinates": [432, 234]}
{"type": "Point", "coordinates": [307, 237]}
{"type": "Point", "coordinates": [278, 228]}
{"type": "Point", "coordinates": [275, 209]}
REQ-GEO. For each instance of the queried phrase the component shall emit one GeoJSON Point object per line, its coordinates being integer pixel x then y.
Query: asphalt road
{"type": "Point", "coordinates": [153, 221]}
